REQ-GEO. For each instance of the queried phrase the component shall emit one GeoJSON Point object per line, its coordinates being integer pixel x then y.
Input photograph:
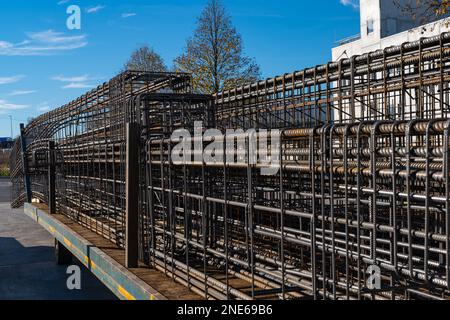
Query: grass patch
{"type": "Point", "coordinates": [4, 171]}
{"type": "Point", "coordinates": [4, 164]}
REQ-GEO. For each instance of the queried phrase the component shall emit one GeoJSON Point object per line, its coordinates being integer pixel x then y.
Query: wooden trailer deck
{"type": "Point", "coordinates": [107, 261]}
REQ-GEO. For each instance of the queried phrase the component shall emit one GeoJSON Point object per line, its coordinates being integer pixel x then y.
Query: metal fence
{"type": "Point", "coordinates": [358, 207]}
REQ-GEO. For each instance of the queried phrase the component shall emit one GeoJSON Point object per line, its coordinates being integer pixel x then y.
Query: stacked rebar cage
{"type": "Point", "coordinates": [361, 189]}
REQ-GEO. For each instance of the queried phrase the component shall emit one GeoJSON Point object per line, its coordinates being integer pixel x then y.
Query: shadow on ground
{"type": "Point", "coordinates": [31, 273]}
{"type": "Point", "coordinates": [27, 265]}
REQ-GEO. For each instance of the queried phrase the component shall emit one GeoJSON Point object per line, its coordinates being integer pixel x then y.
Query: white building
{"type": "Point", "coordinates": [383, 24]}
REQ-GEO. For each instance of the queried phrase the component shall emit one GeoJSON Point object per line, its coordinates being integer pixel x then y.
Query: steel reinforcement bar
{"type": "Point", "coordinates": [356, 206]}
{"type": "Point", "coordinates": [404, 82]}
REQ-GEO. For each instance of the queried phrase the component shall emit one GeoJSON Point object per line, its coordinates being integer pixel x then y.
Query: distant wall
{"type": "Point", "coordinates": [370, 11]}
{"type": "Point", "coordinates": [395, 20]}
{"type": "Point", "coordinates": [366, 45]}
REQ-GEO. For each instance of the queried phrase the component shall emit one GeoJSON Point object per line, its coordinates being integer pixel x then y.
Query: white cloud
{"type": "Point", "coordinates": [128, 14]}
{"type": "Point", "coordinates": [21, 92]}
{"type": "Point", "coordinates": [46, 42]}
{"type": "Point", "coordinates": [77, 85]}
{"type": "Point", "coordinates": [50, 36]}
{"type": "Point", "coordinates": [43, 109]}
{"type": "Point", "coordinates": [5, 105]}
{"type": "Point", "coordinates": [72, 79]}
{"type": "Point", "coordinates": [95, 9]}
{"type": "Point", "coordinates": [44, 106]}
{"type": "Point", "coordinates": [63, 2]}
{"type": "Point", "coordinates": [76, 82]}
{"type": "Point", "coordinates": [13, 79]}
{"type": "Point", "coordinates": [350, 3]}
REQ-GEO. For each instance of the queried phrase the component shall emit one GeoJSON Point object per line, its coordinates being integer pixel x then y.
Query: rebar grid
{"type": "Point", "coordinates": [363, 180]}
{"type": "Point", "coordinates": [404, 82]}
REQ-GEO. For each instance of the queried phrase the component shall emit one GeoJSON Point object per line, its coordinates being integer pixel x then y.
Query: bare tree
{"type": "Point", "coordinates": [214, 55]}
{"type": "Point", "coordinates": [424, 11]}
{"type": "Point", "coordinates": [146, 59]}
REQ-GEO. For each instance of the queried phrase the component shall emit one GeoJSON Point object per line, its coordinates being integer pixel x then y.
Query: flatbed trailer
{"type": "Point", "coordinates": [106, 260]}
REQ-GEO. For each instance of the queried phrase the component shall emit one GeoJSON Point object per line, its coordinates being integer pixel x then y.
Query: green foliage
{"type": "Point", "coordinates": [4, 164]}
{"type": "Point", "coordinates": [4, 171]}
{"type": "Point", "coordinates": [214, 54]}
{"type": "Point", "coordinates": [146, 59]}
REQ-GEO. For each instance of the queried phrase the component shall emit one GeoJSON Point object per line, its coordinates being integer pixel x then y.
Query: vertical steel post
{"type": "Point", "coordinates": [313, 221]}
{"type": "Point", "coordinates": [11, 123]}
{"type": "Point", "coordinates": [26, 175]}
{"type": "Point", "coordinates": [132, 196]}
{"type": "Point", "coordinates": [51, 178]}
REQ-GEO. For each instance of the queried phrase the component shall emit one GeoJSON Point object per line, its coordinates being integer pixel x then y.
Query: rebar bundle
{"type": "Point", "coordinates": [357, 205]}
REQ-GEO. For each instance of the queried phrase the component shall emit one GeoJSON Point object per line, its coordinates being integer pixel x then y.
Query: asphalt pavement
{"type": "Point", "coordinates": [27, 265]}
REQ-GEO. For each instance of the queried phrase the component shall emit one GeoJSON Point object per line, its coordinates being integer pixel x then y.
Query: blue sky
{"type": "Point", "coordinates": [44, 65]}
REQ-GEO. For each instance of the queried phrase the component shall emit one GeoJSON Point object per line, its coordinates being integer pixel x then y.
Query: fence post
{"type": "Point", "coordinates": [51, 178]}
{"type": "Point", "coordinates": [132, 196]}
{"type": "Point", "coordinates": [26, 175]}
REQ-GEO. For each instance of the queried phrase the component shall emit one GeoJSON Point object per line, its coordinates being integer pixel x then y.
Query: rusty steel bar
{"type": "Point", "coordinates": [362, 179]}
